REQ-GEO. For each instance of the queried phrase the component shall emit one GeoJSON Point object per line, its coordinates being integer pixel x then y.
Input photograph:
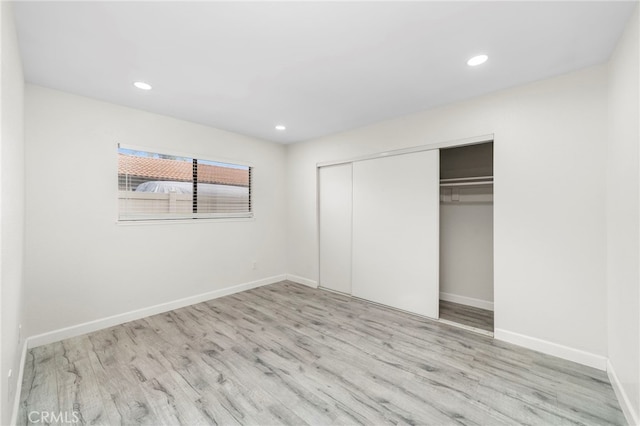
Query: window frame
{"type": "Point", "coordinates": [186, 217]}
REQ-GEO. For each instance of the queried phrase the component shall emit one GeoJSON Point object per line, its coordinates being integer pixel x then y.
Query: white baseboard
{"type": "Point", "coordinates": [16, 398]}
{"type": "Point", "coordinates": [88, 327]}
{"type": "Point", "coordinates": [550, 348]}
{"type": "Point", "coordinates": [469, 301]}
{"type": "Point", "coordinates": [301, 280]}
{"type": "Point", "coordinates": [627, 408]}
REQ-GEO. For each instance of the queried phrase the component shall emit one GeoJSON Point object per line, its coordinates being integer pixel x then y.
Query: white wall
{"type": "Point", "coordinates": [623, 215]}
{"type": "Point", "coordinates": [466, 251]}
{"type": "Point", "coordinates": [11, 207]}
{"type": "Point", "coordinates": [81, 265]}
{"type": "Point", "coordinates": [548, 206]}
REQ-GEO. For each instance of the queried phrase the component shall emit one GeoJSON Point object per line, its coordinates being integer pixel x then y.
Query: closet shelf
{"type": "Point", "coordinates": [479, 180]}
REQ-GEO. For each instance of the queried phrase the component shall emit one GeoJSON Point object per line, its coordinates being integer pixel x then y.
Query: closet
{"type": "Point", "coordinates": [335, 220]}
{"type": "Point", "coordinates": [395, 231]}
{"type": "Point", "coordinates": [380, 226]}
{"type": "Point", "coordinates": [466, 235]}
{"type": "Point", "coordinates": [382, 244]}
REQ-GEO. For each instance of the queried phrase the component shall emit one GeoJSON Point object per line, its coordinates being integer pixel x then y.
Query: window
{"type": "Point", "coordinates": [155, 186]}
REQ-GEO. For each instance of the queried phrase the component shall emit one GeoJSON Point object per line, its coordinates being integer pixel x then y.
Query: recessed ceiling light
{"type": "Point", "coordinates": [477, 60]}
{"type": "Point", "coordinates": [280, 127]}
{"type": "Point", "coordinates": [142, 85]}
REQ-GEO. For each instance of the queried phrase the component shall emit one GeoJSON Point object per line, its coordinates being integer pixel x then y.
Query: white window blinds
{"type": "Point", "coordinates": [156, 186]}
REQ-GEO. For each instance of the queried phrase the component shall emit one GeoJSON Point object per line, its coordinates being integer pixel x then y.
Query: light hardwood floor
{"type": "Point", "coordinates": [467, 315]}
{"type": "Point", "coordinates": [289, 354]}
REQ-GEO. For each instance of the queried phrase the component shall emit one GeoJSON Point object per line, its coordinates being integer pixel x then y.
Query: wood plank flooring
{"type": "Point", "coordinates": [289, 354]}
{"type": "Point", "coordinates": [467, 315]}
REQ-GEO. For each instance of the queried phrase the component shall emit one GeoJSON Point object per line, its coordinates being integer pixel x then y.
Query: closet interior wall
{"type": "Point", "coordinates": [466, 225]}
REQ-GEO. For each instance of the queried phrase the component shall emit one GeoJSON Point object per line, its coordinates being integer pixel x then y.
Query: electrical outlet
{"type": "Point", "coordinates": [254, 265]}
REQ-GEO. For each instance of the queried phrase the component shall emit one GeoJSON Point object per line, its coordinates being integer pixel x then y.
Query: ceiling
{"type": "Point", "coordinates": [316, 67]}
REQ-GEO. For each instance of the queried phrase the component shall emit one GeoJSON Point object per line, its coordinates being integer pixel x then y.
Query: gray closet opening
{"type": "Point", "coordinates": [466, 236]}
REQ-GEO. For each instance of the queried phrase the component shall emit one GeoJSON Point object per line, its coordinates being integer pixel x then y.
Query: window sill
{"type": "Point", "coordinates": [147, 222]}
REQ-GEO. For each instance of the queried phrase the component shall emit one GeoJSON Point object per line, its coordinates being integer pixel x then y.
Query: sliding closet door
{"type": "Point", "coordinates": [335, 198]}
{"type": "Point", "coordinates": [396, 202]}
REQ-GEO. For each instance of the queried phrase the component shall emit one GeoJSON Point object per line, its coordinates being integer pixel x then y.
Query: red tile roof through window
{"type": "Point", "coordinates": [163, 169]}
